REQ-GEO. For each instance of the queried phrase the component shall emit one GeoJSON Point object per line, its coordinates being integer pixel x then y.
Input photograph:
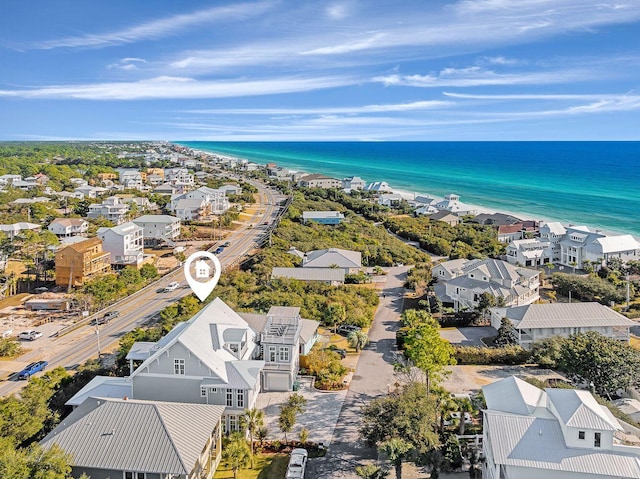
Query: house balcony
{"type": "Point", "coordinates": [275, 366]}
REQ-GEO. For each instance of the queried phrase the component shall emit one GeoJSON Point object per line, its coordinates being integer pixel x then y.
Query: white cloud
{"type": "Point", "coordinates": [166, 87]}
{"type": "Point", "coordinates": [369, 42]}
{"type": "Point", "coordinates": [337, 11]}
{"type": "Point", "coordinates": [398, 107]}
{"type": "Point", "coordinates": [476, 76]}
{"type": "Point", "coordinates": [156, 29]}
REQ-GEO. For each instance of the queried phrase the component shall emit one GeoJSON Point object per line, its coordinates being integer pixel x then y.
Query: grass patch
{"type": "Point", "coordinates": [266, 466]}
{"type": "Point", "coordinates": [635, 342]}
{"type": "Point", "coordinates": [13, 301]}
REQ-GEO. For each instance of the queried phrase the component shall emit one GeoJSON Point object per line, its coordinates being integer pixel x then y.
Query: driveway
{"type": "Point", "coordinates": [469, 336]}
{"type": "Point", "coordinates": [372, 378]}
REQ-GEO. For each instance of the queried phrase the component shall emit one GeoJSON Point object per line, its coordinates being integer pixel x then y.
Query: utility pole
{"type": "Point", "coordinates": [98, 338]}
{"type": "Point", "coordinates": [628, 292]}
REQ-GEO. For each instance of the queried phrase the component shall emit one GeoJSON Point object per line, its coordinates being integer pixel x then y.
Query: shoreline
{"type": "Point", "coordinates": [408, 195]}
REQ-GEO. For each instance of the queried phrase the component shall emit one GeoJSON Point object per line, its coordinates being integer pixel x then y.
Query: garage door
{"type": "Point", "coordinates": [277, 382]}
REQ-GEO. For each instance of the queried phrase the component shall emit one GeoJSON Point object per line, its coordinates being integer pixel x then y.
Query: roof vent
{"type": "Point", "coordinates": [540, 432]}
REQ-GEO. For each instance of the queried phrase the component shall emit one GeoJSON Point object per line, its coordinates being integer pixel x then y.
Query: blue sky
{"type": "Point", "coordinates": [315, 70]}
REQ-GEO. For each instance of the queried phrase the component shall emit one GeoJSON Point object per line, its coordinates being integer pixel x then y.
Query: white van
{"type": "Point", "coordinates": [171, 287]}
{"type": "Point", "coordinates": [297, 464]}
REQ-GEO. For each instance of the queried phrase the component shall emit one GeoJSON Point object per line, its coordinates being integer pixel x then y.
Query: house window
{"type": "Point", "coordinates": [272, 354]}
{"type": "Point", "coordinates": [229, 397]}
{"type": "Point", "coordinates": [214, 390]}
{"type": "Point", "coordinates": [233, 424]}
{"type": "Point", "coordinates": [596, 439]}
{"type": "Point", "coordinates": [134, 475]}
{"type": "Point", "coordinates": [178, 366]}
{"type": "Point", "coordinates": [580, 434]}
{"type": "Point", "coordinates": [223, 421]}
{"type": "Point", "coordinates": [284, 353]}
{"type": "Point", "coordinates": [240, 398]}
{"type": "Point", "coordinates": [203, 391]}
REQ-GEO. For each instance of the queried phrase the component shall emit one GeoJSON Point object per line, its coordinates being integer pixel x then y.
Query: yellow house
{"type": "Point", "coordinates": [80, 261]}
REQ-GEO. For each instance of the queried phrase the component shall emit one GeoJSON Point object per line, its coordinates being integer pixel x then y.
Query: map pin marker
{"type": "Point", "coordinates": [206, 276]}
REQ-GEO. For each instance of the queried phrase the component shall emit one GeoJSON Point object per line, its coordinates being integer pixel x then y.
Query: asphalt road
{"type": "Point", "coordinates": [372, 379]}
{"type": "Point", "coordinates": [76, 347]}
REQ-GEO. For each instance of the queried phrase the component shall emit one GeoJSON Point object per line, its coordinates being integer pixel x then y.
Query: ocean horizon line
{"type": "Point", "coordinates": [572, 182]}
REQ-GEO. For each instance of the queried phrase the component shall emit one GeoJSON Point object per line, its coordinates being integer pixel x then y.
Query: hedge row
{"type": "Point", "coordinates": [508, 355]}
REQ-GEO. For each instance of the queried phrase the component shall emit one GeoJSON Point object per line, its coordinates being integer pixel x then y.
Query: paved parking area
{"type": "Point", "coordinates": [320, 415]}
{"type": "Point", "coordinates": [470, 336]}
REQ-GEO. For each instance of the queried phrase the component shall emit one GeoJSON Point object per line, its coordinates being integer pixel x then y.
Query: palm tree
{"type": "Point", "coordinates": [357, 340]}
{"type": "Point", "coordinates": [236, 453]}
{"type": "Point", "coordinates": [464, 406]}
{"type": "Point", "coordinates": [396, 449]}
{"type": "Point", "coordinates": [252, 420]}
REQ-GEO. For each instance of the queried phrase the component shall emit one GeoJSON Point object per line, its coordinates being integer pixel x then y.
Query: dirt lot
{"type": "Point", "coordinates": [469, 379]}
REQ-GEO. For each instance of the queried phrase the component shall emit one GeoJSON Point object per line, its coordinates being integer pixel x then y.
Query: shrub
{"type": "Point", "coordinates": [508, 355]}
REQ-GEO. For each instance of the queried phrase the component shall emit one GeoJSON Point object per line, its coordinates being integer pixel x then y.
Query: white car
{"type": "Point", "coordinates": [171, 286]}
{"type": "Point", "coordinates": [30, 335]}
{"type": "Point", "coordinates": [297, 464]}
{"type": "Point", "coordinates": [455, 417]}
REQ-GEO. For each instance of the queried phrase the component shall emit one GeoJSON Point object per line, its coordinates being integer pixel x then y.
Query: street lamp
{"type": "Point", "coordinates": [98, 338]}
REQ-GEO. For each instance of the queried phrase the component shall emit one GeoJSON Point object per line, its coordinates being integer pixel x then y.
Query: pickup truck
{"type": "Point", "coordinates": [31, 369]}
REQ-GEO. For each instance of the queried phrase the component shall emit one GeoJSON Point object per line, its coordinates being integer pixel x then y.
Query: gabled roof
{"type": "Point", "coordinates": [204, 337]}
{"type": "Point", "coordinates": [324, 258]}
{"type": "Point", "coordinates": [121, 230]}
{"type": "Point", "coordinates": [310, 274]}
{"type": "Point", "coordinates": [444, 214]}
{"type": "Point", "coordinates": [565, 315]}
{"type": "Point", "coordinates": [513, 395]}
{"type": "Point", "coordinates": [579, 409]}
{"type": "Point", "coordinates": [68, 222]}
{"type": "Point", "coordinates": [104, 387]}
{"type": "Point", "coordinates": [555, 227]}
{"type": "Point", "coordinates": [538, 443]}
{"type": "Point", "coordinates": [135, 435]}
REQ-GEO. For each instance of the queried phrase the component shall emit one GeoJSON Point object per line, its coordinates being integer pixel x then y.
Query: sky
{"type": "Point", "coordinates": [346, 70]}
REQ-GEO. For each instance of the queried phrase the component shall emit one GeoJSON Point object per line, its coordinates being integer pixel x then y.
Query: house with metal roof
{"type": "Point", "coordinates": [561, 433]}
{"type": "Point", "coordinates": [210, 359]}
{"type": "Point", "coordinates": [333, 276]}
{"type": "Point", "coordinates": [535, 322]}
{"type": "Point", "coordinates": [579, 247]}
{"type": "Point", "coordinates": [322, 217]}
{"type": "Point", "coordinates": [349, 261]}
{"type": "Point", "coordinates": [452, 204]}
{"type": "Point", "coordinates": [529, 252]}
{"type": "Point", "coordinates": [124, 243]}
{"type": "Point", "coordinates": [159, 228]}
{"type": "Point", "coordinates": [132, 439]}
{"type": "Point", "coordinates": [308, 329]}
{"type": "Point", "coordinates": [463, 282]}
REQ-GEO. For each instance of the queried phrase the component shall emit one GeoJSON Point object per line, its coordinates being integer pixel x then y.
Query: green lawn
{"type": "Point", "coordinates": [267, 466]}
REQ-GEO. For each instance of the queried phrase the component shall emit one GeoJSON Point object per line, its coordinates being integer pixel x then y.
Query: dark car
{"type": "Point", "coordinates": [346, 329]}
{"type": "Point", "coordinates": [226, 244]}
{"type": "Point", "coordinates": [31, 369]}
{"type": "Point", "coordinates": [107, 317]}
{"type": "Point", "coordinates": [218, 250]}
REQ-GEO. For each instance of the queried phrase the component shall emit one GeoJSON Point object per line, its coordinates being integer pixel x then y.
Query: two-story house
{"type": "Point", "coordinates": [452, 204]}
{"type": "Point", "coordinates": [316, 180]}
{"type": "Point", "coordinates": [80, 261]}
{"type": "Point", "coordinates": [561, 433]}
{"type": "Point", "coordinates": [353, 183]}
{"type": "Point", "coordinates": [112, 209]}
{"type": "Point", "coordinates": [210, 359]}
{"type": "Point", "coordinates": [322, 217]}
{"type": "Point", "coordinates": [124, 243]}
{"type": "Point", "coordinates": [463, 282]}
{"type": "Point", "coordinates": [65, 227]}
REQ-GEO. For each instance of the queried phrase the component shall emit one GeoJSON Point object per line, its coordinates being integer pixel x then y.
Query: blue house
{"type": "Point", "coordinates": [322, 217]}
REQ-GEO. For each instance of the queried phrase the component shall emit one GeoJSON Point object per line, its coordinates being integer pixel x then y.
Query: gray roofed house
{"type": "Point", "coordinates": [445, 216]}
{"type": "Point", "coordinates": [15, 229]}
{"type": "Point", "coordinates": [555, 433]}
{"type": "Point", "coordinates": [535, 322]}
{"type": "Point", "coordinates": [333, 276]}
{"type": "Point", "coordinates": [350, 261]}
{"type": "Point", "coordinates": [462, 282]}
{"type": "Point", "coordinates": [104, 387]}
{"type": "Point", "coordinates": [126, 437]}
{"type": "Point", "coordinates": [496, 219]}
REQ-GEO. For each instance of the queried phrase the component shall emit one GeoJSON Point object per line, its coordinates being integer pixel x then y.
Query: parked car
{"type": "Point", "coordinates": [171, 286]}
{"type": "Point", "coordinates": [30, 335]}
{"type": "Point", "coordinates": [454, 417]}
{"type": "Point", "coordinates": [345, 329]}
{"type": "Point", "coordinates": [218, 250]}
{"type": "Point", "coordinates": [297, 464]}
{"type": "Point", "coordinates": [226, 244]}
{"type": "Point", "coordinates": [31, 369]}
{"type": "Point", "coordinates": [41, 289]}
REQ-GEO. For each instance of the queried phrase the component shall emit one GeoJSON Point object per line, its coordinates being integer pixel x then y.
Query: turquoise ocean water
{"type": "Point", "coordinates": [592, 183]}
